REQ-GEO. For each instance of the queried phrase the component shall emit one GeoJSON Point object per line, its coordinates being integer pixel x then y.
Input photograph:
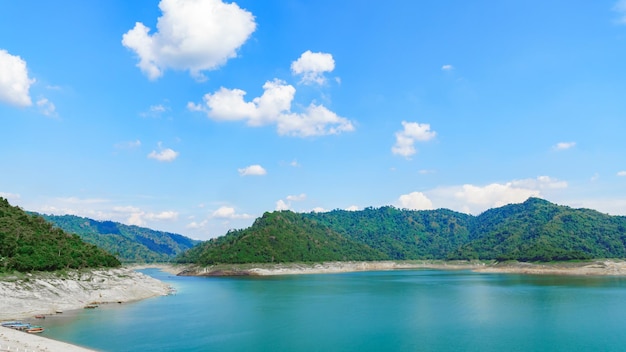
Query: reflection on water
{"type": "Point", "coordinates": [408, 310]}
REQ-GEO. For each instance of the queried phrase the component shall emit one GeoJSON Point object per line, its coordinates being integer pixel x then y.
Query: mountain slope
{"type": "Point", "coordinates": [535, 230]}
{"type": "Point", "coordinates": [401, 234]}
{"type": "Point", "coordinates": [128, 243]}
{"type": "Point", "coordinates": [538, 230]}
{"type": "Point", "coordinates": [28, 243]}
{"type": "Point", "coordinates": [282, 236]}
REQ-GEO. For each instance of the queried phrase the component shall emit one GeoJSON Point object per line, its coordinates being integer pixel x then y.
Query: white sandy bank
{"type": "Point", "coordinates": [13, 340]}
{"type": "Point", "coordinates": [34, 294]}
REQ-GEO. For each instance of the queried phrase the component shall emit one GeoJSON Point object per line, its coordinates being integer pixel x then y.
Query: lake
{"type": "Point", "coordinates": [405, 310]}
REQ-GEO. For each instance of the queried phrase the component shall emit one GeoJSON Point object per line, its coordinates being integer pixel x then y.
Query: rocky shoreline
{"type": "Point", "coordinates": [596, 267]}
{"type": "Point", "coordinates": [27, 295]}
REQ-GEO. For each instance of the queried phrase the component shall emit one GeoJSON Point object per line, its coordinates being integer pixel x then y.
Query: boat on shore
{"type": "Point", "coordinates": [20, 326]}
{"type": "Point", "coordinates": [35, 329]}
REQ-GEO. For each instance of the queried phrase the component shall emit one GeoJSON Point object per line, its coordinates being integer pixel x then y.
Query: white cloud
{"type": "Point", "coordinates": [319, 210]}
{"type": "Point", "coordinates": [415, 201]}
{"type": "Point", "coordinates": [194, 35]}
{"type": "Point", "coordinates": [621, 173]}
{"type": "Point", "coordinates": [476, 199]}
{"type": "Point", "coordinates": [412, 132]}
{"type": "Point", "coordinates": [252, 170]}
{"type": "Point", "coordinates": [620, 7]}
{"type": "Point", "coordinates": [225, 212]}
{"type": "Point", "coordinates": [11, 197]}
{"type": "Point", "coordinates": [46, 107]}
{"type": "Point", "coordinates": [282, 205]}
{"type": "Point", "coordinates": [197, 225]}
{"type": "Point", "coordinates": [14, 81]}
{"type": "Point", "coordinates": [297, 198]}
{"type": "Point", "coordinates": [285, 204]}
{"type": "Point", "coordinates": [564, 145]}
{"type": "Point", "coordinates": [353, 208]}
{"type": "Point", "coordinates": [164, 155]}
{"type": "Point", "coordinates": [164, 215]}
{"type": "Point", "coordinates": [273, 107]}
{"type": "Point", "coordinates": [447, 68]}
{"type": "Point", "coordinates": [312, 67]}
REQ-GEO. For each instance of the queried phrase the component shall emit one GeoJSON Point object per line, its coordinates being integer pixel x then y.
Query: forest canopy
{"type": "Point", "coordinates": [30, 243]}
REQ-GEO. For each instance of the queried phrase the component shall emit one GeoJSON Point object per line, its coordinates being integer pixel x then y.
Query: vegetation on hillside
{"type": "Point", "coordinates": [535, 230]}
{"type": "Point", "coordinates": [30, 243]}
{"type": "Point", "coordinates": [282, 236]}
{"type": "Point", "coordinates": [129, 243]}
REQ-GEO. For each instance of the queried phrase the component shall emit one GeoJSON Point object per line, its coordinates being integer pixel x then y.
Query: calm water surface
{"type": "Point", "coordinates": [413, 310]}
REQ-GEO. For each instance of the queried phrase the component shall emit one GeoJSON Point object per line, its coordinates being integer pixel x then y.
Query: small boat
{"type": "Point", "coordinates": [91, 306]}
{"type": "Point", "coordinates": [40, 316]}
{"type": "Point", "coordinates": [17, 325]}
{"type": "Point", "coordinates": [35, 329]}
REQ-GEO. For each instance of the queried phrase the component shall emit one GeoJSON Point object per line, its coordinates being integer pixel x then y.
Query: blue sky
{"type": "Point", "coordinates": [197, 116]}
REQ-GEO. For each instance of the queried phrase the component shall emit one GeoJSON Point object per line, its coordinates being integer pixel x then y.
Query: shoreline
{"type": "Point", "coordinates": [24, 296]}
{"type": "Point", "coordinates": [600, 267]}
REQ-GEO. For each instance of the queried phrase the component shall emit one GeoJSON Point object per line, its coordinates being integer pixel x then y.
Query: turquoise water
{"type": "Point", "coordinates": [413, 310]}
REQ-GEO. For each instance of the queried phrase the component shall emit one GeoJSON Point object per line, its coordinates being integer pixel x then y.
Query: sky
{"type": "Point", "coordinates": [197, 116]}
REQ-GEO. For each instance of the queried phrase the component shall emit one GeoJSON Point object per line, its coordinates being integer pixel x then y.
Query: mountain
{"type": "Point", "coordinates": [28, 243]}
{"type": "Point", "coordinates": [282, 236]}
{"type": "Point", "coordinates": [535, 230]}
{"type": "Point", "coordinates": [538, 230]}
{"type": "Point", "coordinates": [128, 243]}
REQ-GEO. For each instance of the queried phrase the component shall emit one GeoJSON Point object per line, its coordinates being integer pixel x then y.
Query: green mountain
{"type": "Point", "coordinates": [28, 243]}
{"type": "Point", "coordinates": [128, 243]}
{"type": "Point", "coordinates": [280, 237]}
{"type": "Point", "coordinates": [535, 230]}
{"type": "Point", "coordinates": [538, 230]}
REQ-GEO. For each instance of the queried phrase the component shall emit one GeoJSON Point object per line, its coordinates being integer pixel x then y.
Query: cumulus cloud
{"type": "Point", "coordinates": [138, 217]}
{"type": "Point", "coordinates": [282, 205]}
{"type": "Point", "coordinates": [272, 107]}
{"type": "Point", "coordinates": [474, 199]}
{"type": "Point", "coordinates": [285, 204]}
{"type": "Point", "coordinates": [413, 132]}
{"type": "Point", "coordinates": [252, 170]}
{"type": "Point", "coordinates": [225, 212]}
{"type": "Point", "coordinates": [564, 145]}
{"type": "Point", "coordinates": [14, 81]}
{"type": "Point", "coordinates": [447, 68]}
{"type": "Point", "coordinates": [621, 173]}
{"type": "Point", "coordinates": [297, 198]}
{"type": "Point", "coordinates": [415, 201]}
{"type": "Point", "coordinates": [194, 35]}
{"type": "Point", "coordinates": [312, 66]}
{"type": "Point", "coordinates": [353, 208]}
{"type": "Point", "coordinates": [164, 154]}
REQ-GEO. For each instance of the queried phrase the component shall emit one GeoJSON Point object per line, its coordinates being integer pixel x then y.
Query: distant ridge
{"type": "Point", "coordinates": [535, 230]}
{"type": "Point", "coordinates": [129, 243]}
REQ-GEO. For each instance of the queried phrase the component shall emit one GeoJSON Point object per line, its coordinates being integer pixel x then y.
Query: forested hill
{"type": "Point", "coordinates": [128, 243]}
{"type": "Point", "coordinates": [280, 237]}
{"type": "Point", "coordinates": [535, 230]}
{"type": "Point", "coordinates": [28, 242]}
